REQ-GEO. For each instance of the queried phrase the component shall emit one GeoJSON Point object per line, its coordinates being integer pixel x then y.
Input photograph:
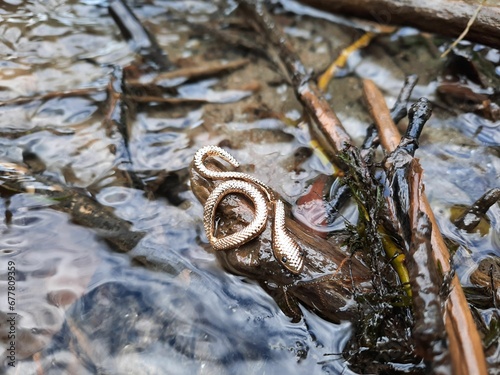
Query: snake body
{"type": "Point", "coordinates": [285, 248]}
{"type": "Point", "coordinates": [246, 234]}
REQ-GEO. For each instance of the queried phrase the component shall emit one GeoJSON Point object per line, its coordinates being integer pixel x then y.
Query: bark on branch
{"type": "Point", "coordinates": [464, 342]}
{"type": "Point", "coordinates": [330, 131]}
{"type": "Point", "coordinates": [446, 17]}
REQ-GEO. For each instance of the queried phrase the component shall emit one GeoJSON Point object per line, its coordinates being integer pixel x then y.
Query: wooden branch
{"type": "Point", "coordinates": [398, 111]}
{"type": "Point", "coordinates": [429, 330]}
{"type": "Point", "coordinates": [161, 99]}
{"type": "Point", "coordinates": [340, 62]}
{"type": "Point", "coordinates": [446, 17]}
{"type": "Point", "coordinates": [404, 181]}
{"type": "Point", "coordinates": [380, 115]}
{"type": "Point", "coordinates": [331, 134]}
{"type": "Point", "coordinates": [464, 342]}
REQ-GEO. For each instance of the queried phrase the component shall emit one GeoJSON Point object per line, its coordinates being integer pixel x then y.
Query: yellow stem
{"type": "Point", "coordinates": [340, 62]}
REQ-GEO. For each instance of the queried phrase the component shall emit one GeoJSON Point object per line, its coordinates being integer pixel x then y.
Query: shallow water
{"type": "Point", "coordinates": [166, 306]}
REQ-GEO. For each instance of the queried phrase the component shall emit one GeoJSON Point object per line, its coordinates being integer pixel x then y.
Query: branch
{"type": "Point", "coordinates": [464, 342]}
{"type": "Point", "coordinates": [53, 95]}
{"type": "Point", "coordinates": [446, 17]}
{"type": "Point", "coordinates": [398, 111]}
{"type": "Point", "coordinates": [330, 131]}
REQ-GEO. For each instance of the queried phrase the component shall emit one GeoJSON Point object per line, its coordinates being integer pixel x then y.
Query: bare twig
{"type": "Point", "coordinates": [467, 28]}
{"type": "Point", "coordinates": [239, 40]}
{"type": "Point", "coordinates": [404, 180]}
{"type": "Point", "coordinates": [13, 133]}
{"type": "Point", "coordinates": [161, 99]}
{"type": "Point", "coordinates": [380, 115]}
{"type": "Point", "coordinates": [83, 210]}
{"type": "Point", "coordinates": [340, 62]}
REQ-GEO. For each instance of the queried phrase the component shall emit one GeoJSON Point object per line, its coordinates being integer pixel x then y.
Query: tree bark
{"type": "Point", "coordinates": [446, 17]}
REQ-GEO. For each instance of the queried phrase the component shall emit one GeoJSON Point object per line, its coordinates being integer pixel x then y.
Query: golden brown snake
{"type": "Point", "coordinates": [285, 248]}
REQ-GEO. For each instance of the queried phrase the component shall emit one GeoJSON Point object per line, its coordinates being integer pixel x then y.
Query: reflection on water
{"type": "Point", "coordinates": [167, 307]}
{"type": "Point", "coordinates": [54, 262]}
{"type": "Point", "coordinates": [190, 317]}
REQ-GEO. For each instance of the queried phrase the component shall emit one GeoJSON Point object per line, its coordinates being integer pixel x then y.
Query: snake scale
{"type": "Point", "coordinates": [285, 248]}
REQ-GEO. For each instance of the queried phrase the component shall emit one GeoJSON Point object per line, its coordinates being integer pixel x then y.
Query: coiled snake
{"type": "Point", "coordinates": [285, 248]}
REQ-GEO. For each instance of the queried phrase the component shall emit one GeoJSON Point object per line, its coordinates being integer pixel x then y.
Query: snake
{"type": "Point", "coordinates": [285, 249]}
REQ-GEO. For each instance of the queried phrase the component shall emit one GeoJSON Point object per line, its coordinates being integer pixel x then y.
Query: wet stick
{"type": "Point", "coordinates": [398, 111]}
{"type": "Point", "coordinates": [471, 217]}
{"type": "Point", "coordinates": [340, 62]}
{"type": "Point", "coordinates": [371, 141]}
{"type": "Point", "coordinates": [404, 179]}
{"type": "Point", "coordinates": [464, 342]}
{"type": "Point", "coordinates": [380, 115]}
{"type": "Point", "coordinates": [330, 132]}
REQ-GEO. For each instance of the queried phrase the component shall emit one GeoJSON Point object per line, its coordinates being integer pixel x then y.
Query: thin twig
{"type": "Point", "coordinates": [13, 133]}
{"type": "Point", "coordinates": [229, 37]}
{"type": "Point", "coordinates": [161, 99]}
{"type": "Point", "coordinates": [380, 114]}
{"type": "Point", "coordinates": [467, 28]}
{"type": "Point", "coordinates": [340, 62]}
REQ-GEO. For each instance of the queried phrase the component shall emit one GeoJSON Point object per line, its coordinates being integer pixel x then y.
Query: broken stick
{"type": "Point", "coordinates": [464, 342]}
